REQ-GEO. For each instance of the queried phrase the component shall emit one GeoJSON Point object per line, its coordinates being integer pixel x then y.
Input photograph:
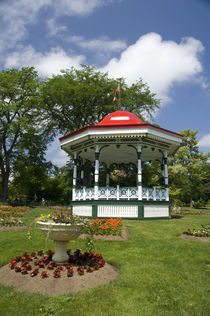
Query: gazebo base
{"type": "Point", "coordinates": [122, 209]}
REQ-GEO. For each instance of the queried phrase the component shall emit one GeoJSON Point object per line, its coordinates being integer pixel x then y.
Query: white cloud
{"type": "Point", "coordinates": [205, 141]}
{"type": "Point", "coordinates": [159, 63]}
{"type": "Point", "coordinates": [53, 28]}
{"type": "Point", "coordinates": [56, 155]}
{"type": "Point", "coordinates": [15, 15]}
{"type": "Point", "coordinates": [103, 44]}
{"type": "Point", "coordinates": [76, 7]}
{"type": "Point", "coordinates": [47, 64]}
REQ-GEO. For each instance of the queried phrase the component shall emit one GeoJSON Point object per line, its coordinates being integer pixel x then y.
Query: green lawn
{"type": "Point", "coordinates": [160, 273]}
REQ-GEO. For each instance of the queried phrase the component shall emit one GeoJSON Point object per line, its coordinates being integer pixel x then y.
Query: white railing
{"type": "Point", "coordinates": [118, 193]}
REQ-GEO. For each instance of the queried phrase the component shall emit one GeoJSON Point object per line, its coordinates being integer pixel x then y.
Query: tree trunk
{"type": "Point", "coordinates": [4, 190]}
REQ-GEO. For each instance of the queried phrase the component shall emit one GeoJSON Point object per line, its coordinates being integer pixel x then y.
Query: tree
{"type": "Point", "coordinates": [30, 170]}
{"type": "Point", "coordinates": [21, 116]}
{"type": "Point", "coordinates": [83, 97]}
{"type": "Point", "coordinates": [189, 171]}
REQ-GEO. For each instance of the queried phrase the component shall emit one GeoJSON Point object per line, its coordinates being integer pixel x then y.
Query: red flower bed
{"type": "Point", "coordinates": [32, 263]}
{"type": "Point", "coordinates": [111, 226]}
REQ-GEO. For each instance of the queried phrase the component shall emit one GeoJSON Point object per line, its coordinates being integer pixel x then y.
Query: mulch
{"type": "Point", "coordinates": [189, 237]}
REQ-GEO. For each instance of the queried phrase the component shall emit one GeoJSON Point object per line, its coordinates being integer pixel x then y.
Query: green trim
{"type": "Point", "coordinates": [94, 211]}
{"type": "Point", "coordinates": [121, 202]}
{"type": "Point", "coordinates": [140, 211]}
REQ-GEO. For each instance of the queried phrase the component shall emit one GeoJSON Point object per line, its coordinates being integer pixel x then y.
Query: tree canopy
{"type": "Point", "coordinates": [189, 172]}
{"type": "Point", "coordinates": [83, 97]}
{"type": "Point", "coordinates": [22, 116]}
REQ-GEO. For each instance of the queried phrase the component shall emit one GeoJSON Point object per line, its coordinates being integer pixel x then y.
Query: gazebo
{"type": "Point", "coordinates": [121, 138]}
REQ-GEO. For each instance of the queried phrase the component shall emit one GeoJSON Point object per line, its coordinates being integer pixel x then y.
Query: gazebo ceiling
{"type": "Point", "coordinates": [116, 134]}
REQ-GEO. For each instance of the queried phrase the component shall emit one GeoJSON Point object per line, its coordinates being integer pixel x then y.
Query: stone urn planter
{"type": "Point", "coordinates": [61, 234]}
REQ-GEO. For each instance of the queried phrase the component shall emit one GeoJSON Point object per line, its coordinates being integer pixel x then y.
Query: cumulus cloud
{"type": "Point", "coordinates": [55, 154]}
{"type": "Point", "coordinates": [47, 64]}
{"type": "Point", "coordinates": [159, 63]}
{"type": "Point", "coordinates": [53, 28]}
{"type": "Point", "coordinates": [205, 141]}
{"type": "Point", "coordinates": [15, 15]}
{"type": "Point", "coordinates": [76, 7]}
{"type": "Point", "coordinates": [103, 44]}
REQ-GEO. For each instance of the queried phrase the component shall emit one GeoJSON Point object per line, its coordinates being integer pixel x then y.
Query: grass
{"type": "Point", "coordinates": [160, 273]}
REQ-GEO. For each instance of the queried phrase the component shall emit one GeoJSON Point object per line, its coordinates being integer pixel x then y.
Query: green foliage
{"type": "Point", "coordinates": [189, 172]}
{"type": "Point", "coordinates": [21, 119]}
{"type": "Point", "coordinates": [82, 97]}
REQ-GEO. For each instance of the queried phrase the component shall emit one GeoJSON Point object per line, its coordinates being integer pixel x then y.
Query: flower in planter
{"type": "Point", "coordinates": [40, 252]}
{"type": "Point", "coordinates": [34, 272]}
{"type": "Point", "coordinates": [56, 274]}
{"type": "Point", "coordinates": [70, 272]}
{"type": "Point", "coordinates": [33, 254]}
{"type": "Point", "coordinates": [49, 252]}
{"type": "Point", "coordinates": [80, 270]}
{"type": "Point", "coordinates": [41, 264]}
{"type": "Point", "coordinates": [24, 271]}
{"type": "Point", "coordinates": [18, 269]}
{"type": "Point", "coordinates": [89, 269]}
{"type": "Point", "coordinates": [44, 274]}
{"type": "Point", "coordinates": [117, 175]}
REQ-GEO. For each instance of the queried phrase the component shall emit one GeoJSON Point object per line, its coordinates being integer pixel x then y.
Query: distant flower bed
{"type": "Point", "coordinates": [187, 212]}
{"type": "Point", "coordinates": [60, 209]}
{"type": "Point", "coordinates": [111, 226]}
{"type": "Point", "coordinates": [35, 263]}
{"type": "Point", "coordinates": [13, 209]}
{"type": "Point", "coordinates": [10, 216]}
{"type": "Point", "coordinates": [204, 231]}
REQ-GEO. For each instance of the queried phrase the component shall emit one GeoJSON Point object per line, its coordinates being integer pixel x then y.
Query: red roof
{"type": "Point", "coordinates": [120, 118]}
{"type": "Point", "coordinates": [116, 120]}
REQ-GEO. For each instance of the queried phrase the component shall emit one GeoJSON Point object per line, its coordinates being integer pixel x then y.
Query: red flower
{"type": "Point", "coordinates": [44, 274]}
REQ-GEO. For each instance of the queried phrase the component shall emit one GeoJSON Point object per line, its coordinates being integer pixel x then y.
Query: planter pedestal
{"type": "Point", "coordinates": [60, 256]}
{"type": "Point", "coordinates": [61, 234]}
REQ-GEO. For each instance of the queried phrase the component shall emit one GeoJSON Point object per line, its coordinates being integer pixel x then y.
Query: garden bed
{"type": "Point", "coordinates": [63, 285]}
{"type": "Point", "coordinates": [123, 237]}
{"type": "Point", "coordinates": [195, 238]}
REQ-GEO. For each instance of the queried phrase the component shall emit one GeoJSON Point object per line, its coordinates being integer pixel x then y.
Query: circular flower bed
{"type": "Point", "coordinates": [36, 263]}
{"type": "Point", "coordinates": [204, 231]}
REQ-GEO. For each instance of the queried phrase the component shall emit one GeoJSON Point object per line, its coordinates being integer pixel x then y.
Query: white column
{"type": "Point", "coordinates": [96, 174]}
{"type": "Point", "coordinates": [165, 155]}
{"type": "Point", "coordinates": [74, 177]}
{"type": "Point", "coordinates": [139, 179]}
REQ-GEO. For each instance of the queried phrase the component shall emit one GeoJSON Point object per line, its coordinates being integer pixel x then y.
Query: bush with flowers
{"type": "Point", "coordinates": [109, 226]}
{"type": "Point", "coordinates": [204, 231]}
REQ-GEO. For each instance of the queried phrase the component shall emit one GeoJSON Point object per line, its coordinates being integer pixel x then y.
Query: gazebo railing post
{"type": "Point", "coordinates": [165, 155]}
{"type": "Point", "coordinates": [139, 180]}
{"type": "Point", "coordinates": [96, 174]}
{"type": "Point", "coordinates": [74, 176]}
{"type": "Point", "coordinates": [118, 192]}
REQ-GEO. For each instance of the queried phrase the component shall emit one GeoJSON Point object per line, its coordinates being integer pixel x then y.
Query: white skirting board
{"type": "Point", "coordinates": [156, 211]}
{"type": "Point", "coordinates": [128, 211]}
{"type": "Point", "coordinates": [82, 210]}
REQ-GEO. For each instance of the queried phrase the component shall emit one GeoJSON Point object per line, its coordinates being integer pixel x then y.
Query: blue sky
{"type": "Point", "coordinates": [164, 42]}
